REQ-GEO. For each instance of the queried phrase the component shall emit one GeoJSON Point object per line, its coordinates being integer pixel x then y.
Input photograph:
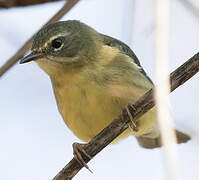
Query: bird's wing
{"type": "Point", "coordinates": [125, 50]}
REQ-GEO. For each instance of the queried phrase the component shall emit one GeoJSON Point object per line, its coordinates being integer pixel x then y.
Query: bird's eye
{"type": "Point", "coordinates": [56, 43]}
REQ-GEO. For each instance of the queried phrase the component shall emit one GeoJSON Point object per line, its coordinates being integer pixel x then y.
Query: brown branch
{"type": "Point", "coordinates": [20, 53]}
{"type": "Point", "coordinates": [145, 103]}
{"type": "Point", "coordinates": [16, 3]}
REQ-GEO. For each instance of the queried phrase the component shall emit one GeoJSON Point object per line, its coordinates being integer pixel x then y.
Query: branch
{"type": "Point", "coordinates": [117, 126]}
{"type": "Point", "coordinates": [15, 3]}
{"type": "Point", "coordinates": [191, 7]}
{"type": "Point", "coordinates": [20, 53]}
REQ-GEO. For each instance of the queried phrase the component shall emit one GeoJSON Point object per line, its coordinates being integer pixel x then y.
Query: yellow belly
{"type": "Point", "coordinates": [90, 97]}
{"type": "Point", "coordinates": [88, 110]}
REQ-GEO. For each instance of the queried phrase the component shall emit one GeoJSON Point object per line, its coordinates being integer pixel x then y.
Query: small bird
{"type": "Point", "coordinates": [94, 77]}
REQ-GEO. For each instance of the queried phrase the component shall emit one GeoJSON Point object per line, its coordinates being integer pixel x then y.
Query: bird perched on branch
{"type": "Point", "coordinates": [94, 77]}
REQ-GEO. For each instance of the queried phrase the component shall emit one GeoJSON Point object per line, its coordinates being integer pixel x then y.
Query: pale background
{"type": "Point", "coordinates": [35, 143]}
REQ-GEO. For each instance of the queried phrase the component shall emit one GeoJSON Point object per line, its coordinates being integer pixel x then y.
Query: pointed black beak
{"type": "Point", "coordinates": [31, 57]}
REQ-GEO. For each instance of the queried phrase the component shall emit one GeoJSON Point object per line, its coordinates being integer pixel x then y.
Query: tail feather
{"type": "Point", "coordinates": [150, 143]}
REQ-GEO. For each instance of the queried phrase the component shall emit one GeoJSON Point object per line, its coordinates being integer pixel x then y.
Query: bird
{"type": "Point", "coordinates": [94, 76]}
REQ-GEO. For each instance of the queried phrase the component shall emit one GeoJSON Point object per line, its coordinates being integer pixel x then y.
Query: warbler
{"type": "Point", "coordinates": [94, 77]}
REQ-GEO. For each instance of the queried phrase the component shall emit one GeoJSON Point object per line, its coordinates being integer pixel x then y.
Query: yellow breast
{"type": "Point", "coordinates": [88, 107]}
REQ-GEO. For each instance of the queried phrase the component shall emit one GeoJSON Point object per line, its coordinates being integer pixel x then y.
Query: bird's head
{"type": "Point", "coordinates": [64, 45]}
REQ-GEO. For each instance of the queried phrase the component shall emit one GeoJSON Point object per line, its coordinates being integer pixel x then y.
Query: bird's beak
{"type": "Point", "coordinates": [31, 57]}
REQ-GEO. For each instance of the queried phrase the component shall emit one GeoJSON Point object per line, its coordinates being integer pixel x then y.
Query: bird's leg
{"type": "Point", "coordinates": [78, 150]}
{"type": "Point", "coordinates": [133, 124]}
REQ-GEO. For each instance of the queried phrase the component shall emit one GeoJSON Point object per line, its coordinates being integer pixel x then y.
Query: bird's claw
{"type": "Point", "coordinates": [78, 149]}
{"type": "Point", "coordinates": [133, 124]}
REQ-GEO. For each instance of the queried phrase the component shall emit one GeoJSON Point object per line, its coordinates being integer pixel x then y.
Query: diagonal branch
{"type": "Point", "coordinates": [117, 126]}
{"type": "Point", "coordinates": [191, 7]}
{"type": "Point", "coordinates": [20, 53]}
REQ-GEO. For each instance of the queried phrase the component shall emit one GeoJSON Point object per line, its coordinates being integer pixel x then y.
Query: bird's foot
{"type": "Point", "coordinates": [78, 150]}
{"type": "Point", "coordinates": [133, 124]}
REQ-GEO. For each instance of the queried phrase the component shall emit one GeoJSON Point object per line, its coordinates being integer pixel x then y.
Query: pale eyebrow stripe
{"type": "Point", "coordinates": [52, 38]}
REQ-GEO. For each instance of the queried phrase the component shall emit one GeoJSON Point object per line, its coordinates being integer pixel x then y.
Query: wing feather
{"type": "Point", "coordinates": [124, 49]}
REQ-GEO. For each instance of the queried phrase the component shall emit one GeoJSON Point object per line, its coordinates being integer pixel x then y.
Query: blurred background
{"type": "Point", "coordinates": [34, 141]}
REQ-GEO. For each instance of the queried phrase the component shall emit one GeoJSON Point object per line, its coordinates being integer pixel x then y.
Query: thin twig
{"type": "Point", "coordinates": [20, 53]}
{"type": "Point", "coordinates": [166, 124]}
{"type": "Point", "coordinates": [117, 126]}
{"type": "Point", "coordinates": [17, 3]}
{"type": "Point", "coordinates": [191, 7]}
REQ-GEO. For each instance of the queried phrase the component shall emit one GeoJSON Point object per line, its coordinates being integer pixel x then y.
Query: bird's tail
{"type": "Point", "coordinates": [150, 143]}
